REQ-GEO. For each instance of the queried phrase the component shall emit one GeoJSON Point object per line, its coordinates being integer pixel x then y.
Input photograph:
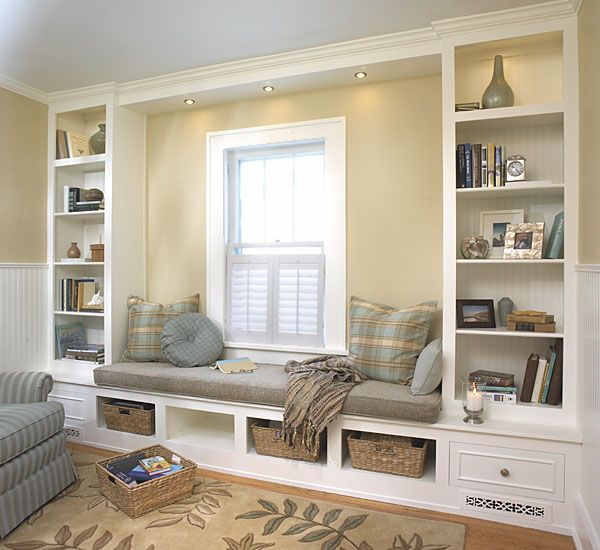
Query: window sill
{"type": "Point", "coordinates": [269, 349]}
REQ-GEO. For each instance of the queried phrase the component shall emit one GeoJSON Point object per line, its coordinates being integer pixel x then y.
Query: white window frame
{"type": "Point", "coordinates": [332, 131]}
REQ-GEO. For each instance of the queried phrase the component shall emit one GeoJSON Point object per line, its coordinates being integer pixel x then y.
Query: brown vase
{"type": "Point", "coordinates": [73, 251]}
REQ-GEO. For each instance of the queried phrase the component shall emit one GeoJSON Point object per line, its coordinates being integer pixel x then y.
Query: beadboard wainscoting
{"type": "Point", "coordinates": [588, 307]}
{"type": "Point", "coordinates": [23, 316]}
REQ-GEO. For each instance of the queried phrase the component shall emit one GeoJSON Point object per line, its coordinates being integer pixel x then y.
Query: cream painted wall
{"type": "Point", "coordinates": [394, 186]}
{"type": "Point", "coordinates": [23, 167]}
{"type": "Point", "coordinates": [589, 137]}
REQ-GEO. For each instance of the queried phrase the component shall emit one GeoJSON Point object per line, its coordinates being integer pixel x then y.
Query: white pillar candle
{"type": "Point", "coordinates": [474, 400]}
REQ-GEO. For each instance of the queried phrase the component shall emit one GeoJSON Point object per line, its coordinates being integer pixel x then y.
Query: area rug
{"type": "Point", "coordinates": [219, 516]}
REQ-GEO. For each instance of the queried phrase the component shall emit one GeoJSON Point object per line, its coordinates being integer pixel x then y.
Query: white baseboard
{"type": "Point", "coordinates": [585, 535]}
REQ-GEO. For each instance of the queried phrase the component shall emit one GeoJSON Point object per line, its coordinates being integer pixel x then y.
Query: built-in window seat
{"type": "Point", "coordinates": [266, 386]}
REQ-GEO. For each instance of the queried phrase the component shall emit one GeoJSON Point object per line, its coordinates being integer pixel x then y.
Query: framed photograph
{"type": "Point", "coordinates": [71, 334]}
{"type": "Point", "coordinates": [493, 225]}
{"type": "Point", "coordinates": [524, 241]}
{"type": "Point", "coordinates": [475, 314]}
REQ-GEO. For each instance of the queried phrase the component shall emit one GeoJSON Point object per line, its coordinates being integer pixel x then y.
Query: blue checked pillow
{"type": "Point", "coordinates": [385, 342]}
{"type": "Point", "coordinates": [146, 321]}
{"type": "Point", "coordinates": [191, 340]}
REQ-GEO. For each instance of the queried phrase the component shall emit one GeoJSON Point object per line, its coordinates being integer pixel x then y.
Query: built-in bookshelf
{"type": "Point", "coordinates": [113, 218]}
{"type": "Point", "coordinates": [538, 127]}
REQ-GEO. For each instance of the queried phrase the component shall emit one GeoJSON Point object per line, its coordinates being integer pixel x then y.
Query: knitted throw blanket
{"type": "Point", "coordinates": [317, 389]}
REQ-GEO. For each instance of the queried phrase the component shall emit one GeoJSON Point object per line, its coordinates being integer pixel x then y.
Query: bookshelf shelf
{"type": "Point", "coordinates": [80, 264]}
{"type": "Point", "coordinates": [80, 313]}
{"type": "Point", "coordinates": [90, 163]}
{"type": "Point", "coordinates": [96, 216]}
{"type": "Point", "coordinates": [554, 190]}
{"type": "Point", "coordinates": [499, 261]}
{"type": "Point", "coordinates": [503, 332]}
{"type": "Point", "coordinates": [508, 117]}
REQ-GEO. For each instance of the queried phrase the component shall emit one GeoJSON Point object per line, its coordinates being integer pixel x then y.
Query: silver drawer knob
{"type": "Point", "coordinates": [504, 472]}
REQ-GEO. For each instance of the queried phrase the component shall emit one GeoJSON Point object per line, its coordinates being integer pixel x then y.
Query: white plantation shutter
{"type": "Point", "coordinates": [249, 298]}
{"type": "Point", "coordinates": [275, 299]}
{"type": "Point", "coordinates": [299, 286]}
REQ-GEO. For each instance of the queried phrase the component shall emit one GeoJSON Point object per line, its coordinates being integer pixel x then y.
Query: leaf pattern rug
{"type": "Point", "coordinates": [221, 516]}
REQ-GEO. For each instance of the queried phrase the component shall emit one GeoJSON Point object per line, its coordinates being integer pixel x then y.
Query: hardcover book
{"type": "Point", "coordinates": [155, 465]}
{"type": "Point", "coordinates": [492, 378]}
{"type": "Point", "coordinates": [231, 366]}
{"type": "Point", "coordinates": [529, 378]}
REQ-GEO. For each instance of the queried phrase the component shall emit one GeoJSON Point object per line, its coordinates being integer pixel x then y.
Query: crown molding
{"type": "Point", "coordinates": [354, 53]}
{"type": "Point", "coordinates": [83, 93]}
{"type": "Point", "coordinates": [577, 5]}
{"type": "Point", "coordinates": [547, 11]}
{"type": "Point", "coordinates": [23, 89]}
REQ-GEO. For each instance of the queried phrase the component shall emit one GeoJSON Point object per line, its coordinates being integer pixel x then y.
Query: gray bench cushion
{"type": "Point", "coordinates": [266, 386]}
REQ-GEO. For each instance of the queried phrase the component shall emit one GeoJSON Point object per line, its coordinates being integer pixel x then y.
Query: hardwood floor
{"type": "Point", "coordinates": [481, 534]}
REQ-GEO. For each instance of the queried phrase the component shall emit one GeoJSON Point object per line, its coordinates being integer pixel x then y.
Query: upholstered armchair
{"type": "Point", "coordinates": [34, 463]}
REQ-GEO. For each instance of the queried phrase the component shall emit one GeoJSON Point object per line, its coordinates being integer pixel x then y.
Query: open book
{"type": "Point", "coordinates": [230, 366]}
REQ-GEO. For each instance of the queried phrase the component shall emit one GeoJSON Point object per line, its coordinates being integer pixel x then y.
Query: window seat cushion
{"type": "Point", "coordinates": [266, 386]}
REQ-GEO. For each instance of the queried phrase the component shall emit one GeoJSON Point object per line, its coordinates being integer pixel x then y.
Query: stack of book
{"type": "Point", "coordinates": [139, 469]}
{"type": "Point", "coordinates": [94, 353]}
{"type": "Point", "coordinates": [543, 377]}
{"type": "Point", "coordinates": [76, 294]}
{"type": "Point", "coordinates": [496, 387]}
{"type": "Point", "coordinates": [530, 321]}
{"type": "Point", "coordinates": [480, 165]}
{"type": "Point", "coordinates": [74, 201]}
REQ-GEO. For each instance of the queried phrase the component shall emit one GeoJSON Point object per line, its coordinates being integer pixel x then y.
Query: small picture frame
{"type": "Point", "coordinates": [493, 225]}
{"type": "Point", "coordinates": [524, 241]}
{"type": "Point", "coordinates": [475, 314]}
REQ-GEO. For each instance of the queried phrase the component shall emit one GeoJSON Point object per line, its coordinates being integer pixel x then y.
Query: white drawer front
{"type": "Point", "coordinates": [73, 402]}
{"type": "Point", "coordinates": [513, 471]}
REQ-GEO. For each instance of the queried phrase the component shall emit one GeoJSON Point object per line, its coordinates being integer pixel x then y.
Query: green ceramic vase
{"type": "Point", "coordinates": [498, 93]}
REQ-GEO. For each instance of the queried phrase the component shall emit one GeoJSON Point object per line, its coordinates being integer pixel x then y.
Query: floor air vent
{"type": "Point", "coordinates": [518, 508]}
{"type": "Point", "coordinates": [73, 434]}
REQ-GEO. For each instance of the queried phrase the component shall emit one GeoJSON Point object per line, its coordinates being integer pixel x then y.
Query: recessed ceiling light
{"type": "Point", "coordinates": [360, 74]}
{"type": "Point", "coordinates": [189, 101]}
{"type": "Point", "coordinates": [268, 88]}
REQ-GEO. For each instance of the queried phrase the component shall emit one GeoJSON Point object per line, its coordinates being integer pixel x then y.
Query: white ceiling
{"type": "Point", "coordinates": [54, 45]}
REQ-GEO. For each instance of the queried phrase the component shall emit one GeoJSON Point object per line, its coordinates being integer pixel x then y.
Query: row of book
{"type": "Point", "coordinates": [74, 201]}
{"type": "Point", "coordinates": [542, 382]}
{"type": "Point", "coordinates": [71, 144]}
{"type": "Point", "coordinates": [138, 469]}
{"type": "Point", "coordinates": [495, 387]}
{"type": "Point", "coordinates": [543, 376]}
{"type": "Point", "coordinates": [93, 353]}
{"type": "Point", "coordinates": [480, 165]}
{"type": "Point", "coordinates": [76, 294]}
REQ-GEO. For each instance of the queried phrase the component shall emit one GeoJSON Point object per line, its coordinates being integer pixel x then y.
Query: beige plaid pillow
{"type": "Point", "coordinates": [146, 321]}
{"type": "Point", "coordinates": [385, 341]}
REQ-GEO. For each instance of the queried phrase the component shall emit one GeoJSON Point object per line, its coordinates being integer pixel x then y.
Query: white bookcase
{"type": "Point", "coordinates": [540, 65]}
{"type": "Point", "coordinates": [120, 226]}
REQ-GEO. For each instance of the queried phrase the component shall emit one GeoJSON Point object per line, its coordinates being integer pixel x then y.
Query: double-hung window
{"type": "Point", "coordinates": [275, 249]}
{"type": "Point", "coordinates": [276, 235]}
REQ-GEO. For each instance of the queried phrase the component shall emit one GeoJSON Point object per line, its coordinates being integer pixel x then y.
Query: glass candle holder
{"type": "Point", "coordinates": [473, 402]}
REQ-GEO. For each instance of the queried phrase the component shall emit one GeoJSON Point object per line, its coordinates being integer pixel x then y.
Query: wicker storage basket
{"type": "Point", "coordinates": [390, 454]}
{"type": "Point", "coordinates": [129, 419]}
{"type": "Point", "coordinates": [269, 441]}
{"type": "Point", "coordinates": [150, 495]}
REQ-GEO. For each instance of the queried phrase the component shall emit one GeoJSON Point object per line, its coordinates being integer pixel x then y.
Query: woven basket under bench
{"type": "Point", "coordinates": [390, 454]}
{"type": "Point", "coordinates": [150, 495]}
{"type": "Point", "coordinates": [129, 419]}
{"type": "Point", "coordinates": [269, 441]}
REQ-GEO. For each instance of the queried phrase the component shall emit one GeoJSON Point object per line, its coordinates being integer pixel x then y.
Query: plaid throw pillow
{"type": "Point", "coordinates": [146, 321]}
{"type": "Point", "coordinates": [385, 341]}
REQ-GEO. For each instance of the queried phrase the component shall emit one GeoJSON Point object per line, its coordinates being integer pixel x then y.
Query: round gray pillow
{"type": "Point", "coordinates": [191, 340]}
